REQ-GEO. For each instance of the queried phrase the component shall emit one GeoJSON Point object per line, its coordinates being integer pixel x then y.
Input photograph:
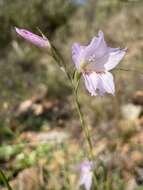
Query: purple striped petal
{"type": "Point", "coordinates": [86, 179]}
{"type": "Point", "coordinates": [106, 83]}
{"type": "Point", "coordinates": [115, 57]}
{"type": "Point", "coordinates": [97, 47]}
{"type": "Point", "coordinates": [77, 54]}
{"type": "Point", "coordinates": [101, 81]}
{"type": "Point", "coordinates": [86, 174]}
{"type": "Point", "coordinates": [33, 38]}
{"type": "Point", "coordinates": [91, 82]}
{"type": "Point", "coordinates": [76, 49]}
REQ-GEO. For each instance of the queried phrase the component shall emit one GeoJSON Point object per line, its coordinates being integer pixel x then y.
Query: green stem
{"type": "Point", "coordinates": [84, 127]}
{"type": "Point", "coordinates": [58, 58]}
{"type": "Point", "coordinates": [86, 133]}
{"type": "Point", "coordinates": [4, 179]}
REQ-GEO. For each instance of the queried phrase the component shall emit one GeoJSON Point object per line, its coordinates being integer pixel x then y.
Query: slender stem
{"type": "Point", "coordinates": [4, 179]}
{"type": "Point", "coordinates": [84, 127]}
{"type": "Point", "coordinates": [86, 133]}
{"type": "Point", "coordinates": [58, 58]}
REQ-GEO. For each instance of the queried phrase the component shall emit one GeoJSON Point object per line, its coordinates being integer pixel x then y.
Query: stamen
{"type": "Point", "coordinates": [92, 58]}
{"type": "Point", "coordinates": [100, 72]}
{"type": "Point", "coordinates": [87, 72]}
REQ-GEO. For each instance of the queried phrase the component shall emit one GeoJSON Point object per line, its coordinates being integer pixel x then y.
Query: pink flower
{"type": "Point", "coordinates": [95, 61]}
{"type": "Point", "coordinates": [33, 38]}
{"type": "Point", "coordinates": [86, 174]}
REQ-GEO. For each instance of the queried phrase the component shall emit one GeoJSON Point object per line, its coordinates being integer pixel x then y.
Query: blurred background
{"type": "Point", "coordinates": [40, 135]}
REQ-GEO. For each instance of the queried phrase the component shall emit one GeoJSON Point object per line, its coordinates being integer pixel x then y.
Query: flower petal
{"type": "Point", "coordinates": [91, 82]}
{"type": "Point", "coordinates": [86, 174]}
{"type": "Point", "coordinates": [114, 58]}
{"type": "Point", "coordinates": [98, 65]}
{"type": "Point", "coordinates": [93, 44]}
{"type": "Point", "coordinates": [86, 165]}
{"type": "Point", "coordinates": [113, 49]}
{"type": "Point", "coordinates": [86, 179]}
{"type": "Point", "coordinates": [102, 46]}
{"type": "Point", "coordinates": [76, 49]}
{"type": "Point", "coordinates": [106, 83]}
{"type": "Point", "coordinates": [97, 47]}
{"type": "Point", "coordinates": [33, 38]}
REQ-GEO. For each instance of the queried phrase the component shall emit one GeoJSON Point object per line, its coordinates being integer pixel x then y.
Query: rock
{"type": "Point", "coordinates": [131, 185]}
{"type": "Point", "coordinates": [130, 111]}
{"type": "Point", "coordinates": [52, 137]}
{"type": "Point", "coordinates": [24, 106]}
{"type": "Point", "coordinates": [136, 156]}
{"type": "Point", "coordinates": [137, 138]}
{"type": "Point", "coordinates": [138, 98]}
{"type": "Point", "coordinates": [37, 109]}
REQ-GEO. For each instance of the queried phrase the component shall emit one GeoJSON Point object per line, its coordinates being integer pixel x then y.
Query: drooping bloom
{"type": "Point", "coordinates": [39, 41]}
{"type": "Point", "coordinates": [95, 61]}
{"type": "Point", "coordinates": [86, 174]}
